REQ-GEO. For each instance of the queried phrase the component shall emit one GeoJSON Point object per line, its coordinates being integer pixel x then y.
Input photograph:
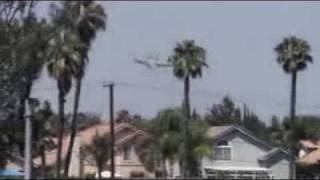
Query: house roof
{"type": "Point", "coordinates": [314, 156]}
{"type": "Point", "coordinates": [311, 158]}
{"type": "Point", "coordinates": [310, 144]}
{"type": "Point", "coordinates": [87, 136]}
{"type": "Point", "coordinates": [217, 132]}
{"type": "Point", "coordinates": [272, 153]}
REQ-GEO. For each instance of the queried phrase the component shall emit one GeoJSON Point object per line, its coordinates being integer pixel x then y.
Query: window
{"type": "Point", "coordinates": [126, 153]}
{"type": "Point", "coordinates": [222, 151]}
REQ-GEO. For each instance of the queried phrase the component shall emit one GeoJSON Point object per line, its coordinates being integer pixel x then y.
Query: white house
{"type": "Point", "coordinates": [237, 154]}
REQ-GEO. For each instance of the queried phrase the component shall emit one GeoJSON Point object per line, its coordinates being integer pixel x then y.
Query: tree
{"type": "Point", "coordinates": [100, 150]}
{"type": "Point", "coordinates": [200, 144]}
{"type": "Point", "coordinates": [293, 54]}
{"type": "Point", "coordinates": [255, 125]}
{"type": "Point", "coordinates": [41, 137]}
{"type": "Point", "coordinates": [22, 60]}
{"type": "Point", "coordinates": [64, 60]}
{"type": "Point", "coordinates": [168, 130]}
{"type": "Point", "coordinates": [289, 133]}
{"type": "Point", "coordinates": [86, 18]}
{"type": "Point", "coordinates": [225, 113]}
{"type": "Point", "coordinates": [228, 113]}
{"type": "Point", "coordinates": [188, 60]}
{"type": "Point", "coordinates": [166, 144]}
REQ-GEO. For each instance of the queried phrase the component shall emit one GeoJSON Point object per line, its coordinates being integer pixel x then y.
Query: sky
{"type": "Point", "coordinates": [239, 38]}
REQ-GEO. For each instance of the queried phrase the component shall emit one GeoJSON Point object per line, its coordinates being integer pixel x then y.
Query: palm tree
{"type": "Point", "coordinates": [64, 61]}
{"type": "Point", "coordinates": [88, 18]}
{"type": "Point", "coordinates": [100, 150]}
{"type": "Point", "coordinates": [187, 60]}
{"type": "Point", "coordinates": [167, 129]}
{"type": "Point", "coordinates": [293, 54]}
{"type": "Point", "coordinates": [200, 144]}
{"type": "Point", "coordinates": [169, 145]}
{"type": "Point", "coordinates": [166, 144]}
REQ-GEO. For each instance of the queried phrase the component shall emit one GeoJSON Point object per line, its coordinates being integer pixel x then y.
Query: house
{"type": "Point", "coordinates": [239, 154]}
{"type": "Point", "coordinates": [308, 162]}
{"type": "Point", "coordinates": [309, 152]}
{"type": "Point", "coordinates": [127, 160]}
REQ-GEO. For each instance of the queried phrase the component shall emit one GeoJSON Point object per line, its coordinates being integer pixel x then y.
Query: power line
{"type": "Point", "coordinates": [197, 91]}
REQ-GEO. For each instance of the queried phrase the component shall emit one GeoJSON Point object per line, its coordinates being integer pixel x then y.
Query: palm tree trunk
{"type": "Point", "coordinates": [292, 118]}
{"type": "Point", "coordinates": [61, 129]}
{"type": "Point", "coordinates": [293, 96]}
{"type": "Point", "coordinates": [43, 162]}
{"type": "Point", "coordinates": [186, 169]}
{"type": "Point", "coordinates": [73, 125]}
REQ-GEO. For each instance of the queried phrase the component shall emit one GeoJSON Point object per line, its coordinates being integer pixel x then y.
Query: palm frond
{"type": "Point", "coordinates": [188, 59]}
{"type": "Point", "coordinates": [293, 54]}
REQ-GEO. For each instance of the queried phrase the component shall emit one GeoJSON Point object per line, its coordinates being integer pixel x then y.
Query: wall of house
{"type": "Point", "coordinates": [123, 167]}
{"type": "Point", "coordinates": [280, 170]}
{"type": "Point", "coordinates": [244, 152]}
{"type": "Point", "coordinates": [279, 166]}
{"type": "Point", "coordinates": [173, 170]}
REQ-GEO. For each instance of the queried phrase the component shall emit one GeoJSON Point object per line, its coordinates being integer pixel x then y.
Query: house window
{"type": "Point", "coordinates": [126, 153]}
{"type": "Point", "coordinates": [222, 151]}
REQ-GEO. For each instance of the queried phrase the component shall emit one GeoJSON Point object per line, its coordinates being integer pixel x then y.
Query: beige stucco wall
{"type": "Point", "coordinates": [122, 167]}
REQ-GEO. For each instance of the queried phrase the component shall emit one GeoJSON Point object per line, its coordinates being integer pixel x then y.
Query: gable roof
{"type": "Point", "coordinates": [310, 144]}
{"type": "Point", "coordinates": [311, 158]}
{"type": "Point", "coordinates": [272, 153]}
{"type": "Point", "coordinates": [217, 132]}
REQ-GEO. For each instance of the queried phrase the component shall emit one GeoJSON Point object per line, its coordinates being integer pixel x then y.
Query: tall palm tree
{"type": "Point", "coordinates": [187, 60]}
{"type": "Point", "coordinates": [64, 61]}
{"type": "Point", "coordinates": [88, 18]}
{"type": "Point", "coordinates": [293, 54]}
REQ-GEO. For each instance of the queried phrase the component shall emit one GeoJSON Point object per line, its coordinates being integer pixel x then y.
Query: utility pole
{"type": "Point", "coordinates": [111, 101]}
{"type": "Point", "coordinates": [28, 142]}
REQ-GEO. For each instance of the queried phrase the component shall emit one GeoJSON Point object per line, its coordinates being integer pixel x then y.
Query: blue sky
{"type": "Point", "coordinates": [239, 38]}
